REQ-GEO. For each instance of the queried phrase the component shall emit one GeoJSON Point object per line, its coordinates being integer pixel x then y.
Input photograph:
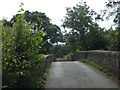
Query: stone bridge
{"type": "Point", "coordinates": [76, 74]}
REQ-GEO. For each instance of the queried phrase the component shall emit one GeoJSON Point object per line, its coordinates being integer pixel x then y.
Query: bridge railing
{"type": "Point", "coordinates": [46, 63]}
{"type": "Point", "coordinates": [110, 60]}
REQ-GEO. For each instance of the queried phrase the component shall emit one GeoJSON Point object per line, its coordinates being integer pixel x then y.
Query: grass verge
{"type": "Point", "coordinates": [100, 68]}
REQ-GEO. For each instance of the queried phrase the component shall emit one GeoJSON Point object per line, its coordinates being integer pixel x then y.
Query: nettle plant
{"type": "Point", "coordinates": [20, 46]}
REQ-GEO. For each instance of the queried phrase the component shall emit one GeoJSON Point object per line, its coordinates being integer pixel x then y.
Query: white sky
{"type": "Point", "coordinates": [54, 9]}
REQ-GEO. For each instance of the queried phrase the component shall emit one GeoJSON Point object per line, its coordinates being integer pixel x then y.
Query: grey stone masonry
{"type": "Point", "coordinates": [110, 60]}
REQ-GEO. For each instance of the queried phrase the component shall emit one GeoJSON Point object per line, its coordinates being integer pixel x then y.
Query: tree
{"type": "Point", "coordinates": [113, 9]}
{"type": "Point", "coordinates": [41, 22]}
{"type": "Point", "coordinates": [20, 45]}
{"type": "Point", "coordinates": [79, 19]}
{"type": "Point", "coordinates": [59, 50]}
{"type": "Point", "coordinates": [95, 38]}
{"type": "Point", "coordinates": [72, 42]}
{"type": "Point", "coordinates": [111, 37]}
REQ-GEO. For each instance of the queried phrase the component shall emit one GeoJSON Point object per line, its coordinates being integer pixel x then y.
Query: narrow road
{"type": "Point", "coordinates": [75, 74]}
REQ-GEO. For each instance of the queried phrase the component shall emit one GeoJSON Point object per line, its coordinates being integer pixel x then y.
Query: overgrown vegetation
{"type": "Point", "coordinates": [85, 33]}
{"type": "Point", "coordinates": [29, 35]}
{"type": "Point", "coordinates": [113, 9]}
{"type": "Point", "coordinates": [23, 65]}
{"type": "Point", "coordinates": [68, 57]}
{"type": "Point", "coordinates": [40, 22]}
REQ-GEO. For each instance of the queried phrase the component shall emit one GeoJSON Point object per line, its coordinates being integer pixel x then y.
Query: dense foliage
{"type": "Point", "coordinates": [29, 35]}
{"type": "Point", "coordinates": [113, 9]}
{"type": "Point", "coordinates": [22, 64]}
{"type": "Point", "coordinates": [60, 50]}
{"type": "Point", "coordinates": [85, 33]}
{"type": "Point", "coordinates": [41, 21]}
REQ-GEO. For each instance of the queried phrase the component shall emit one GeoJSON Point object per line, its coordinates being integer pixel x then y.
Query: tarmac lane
{"type": "Point", "coordinates": [75, 74]}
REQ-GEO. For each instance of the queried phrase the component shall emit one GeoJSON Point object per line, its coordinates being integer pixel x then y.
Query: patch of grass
{"type": "Point", "coordinates": [62, 59]}
{"type": "Point", "coordinates": [67, 57]}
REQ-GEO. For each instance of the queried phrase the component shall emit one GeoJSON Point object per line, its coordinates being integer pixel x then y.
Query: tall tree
{"type": "Point", "coordinates": [111, 37]}
{"type": "Point", "coordinates": [95, 38]}
{"type": "Point", "coordinates": [113, 9]}
{"type": "Point", "coordinates": [41, 22]}
{"type": "Point", "coordinates": [72, 42]}
{"type": "Point", "coordinates": [20, 44]}
{"type": "Point", "coordinates": [79, 19]}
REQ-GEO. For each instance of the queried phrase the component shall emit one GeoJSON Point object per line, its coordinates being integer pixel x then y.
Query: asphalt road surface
{"type": "Point", "coordinates": [75, 74]}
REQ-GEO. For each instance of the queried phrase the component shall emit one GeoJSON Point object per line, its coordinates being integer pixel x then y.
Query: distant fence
{"type": "Point", "coordinates": [110, 60]}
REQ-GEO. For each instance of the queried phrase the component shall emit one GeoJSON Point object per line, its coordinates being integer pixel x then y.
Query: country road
{"type": "Point", "coordinates": [75, 74]}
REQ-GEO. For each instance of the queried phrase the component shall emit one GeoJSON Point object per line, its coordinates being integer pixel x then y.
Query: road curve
{"type": "Point", "coordinates": [75, 74]}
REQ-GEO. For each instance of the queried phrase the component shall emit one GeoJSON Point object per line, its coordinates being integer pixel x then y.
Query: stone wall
{"type": "Point", "coordinates": [50, 58]}
{"type": "Point", "coordinates": [110, 60]}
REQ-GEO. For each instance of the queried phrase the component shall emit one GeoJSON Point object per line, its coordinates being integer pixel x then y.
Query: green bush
{"type": "Point", "coordinates": [69, 56]}
{"type": "Point", "coordinates": [22, 65]}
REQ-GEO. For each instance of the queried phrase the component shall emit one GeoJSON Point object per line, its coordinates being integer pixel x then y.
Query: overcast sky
{"type": "Point", "coordinates": [54, 9]}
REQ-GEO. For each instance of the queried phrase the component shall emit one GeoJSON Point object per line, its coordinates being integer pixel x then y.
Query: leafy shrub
{"type": "Point", "coordinates": [22, 65]}
{"type": "Point", "coordinates": [69, 56]}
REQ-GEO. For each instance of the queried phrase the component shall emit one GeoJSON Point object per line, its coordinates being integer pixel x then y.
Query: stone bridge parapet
{"type": "Point", "coordinates": [110, 60]}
